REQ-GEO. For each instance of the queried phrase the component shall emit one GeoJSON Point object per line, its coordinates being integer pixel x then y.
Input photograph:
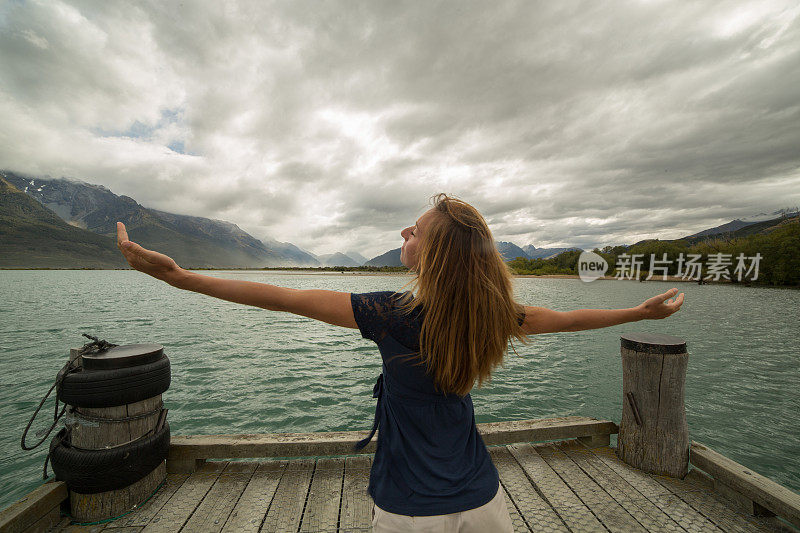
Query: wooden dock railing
{"type": "Point", "coordinates": [186, 453]}
{"type": "Point", "coordinates": [752, 492]}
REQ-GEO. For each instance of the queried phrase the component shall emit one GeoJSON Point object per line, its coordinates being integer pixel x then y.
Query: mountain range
{"type": "Point", "coordinates": [34, 236]}
{"type": "Point", "coordinates": [739, 223]}
{"type": "Point", "coordinates": [68, 223]}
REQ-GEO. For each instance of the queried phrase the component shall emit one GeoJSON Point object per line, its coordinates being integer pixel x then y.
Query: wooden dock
{"type": "Point", "coordinates": [575, 482]}
{"type": "Point", "coordinates": [563, 486]}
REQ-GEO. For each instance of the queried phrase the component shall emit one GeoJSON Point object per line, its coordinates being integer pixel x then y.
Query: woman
{"type": "Point", "coordinates": [431, 470]}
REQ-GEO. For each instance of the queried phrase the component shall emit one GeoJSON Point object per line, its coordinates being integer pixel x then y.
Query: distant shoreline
{"type": "Point", "coordinates": [314, 272]}
{"type": "Point", "coordinates": [604, 278]}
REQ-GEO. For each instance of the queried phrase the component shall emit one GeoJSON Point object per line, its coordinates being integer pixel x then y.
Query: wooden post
{"type": "Point", "coordinates": [653, 434]}
{"type": "Point", "coordinates": [101, 427]}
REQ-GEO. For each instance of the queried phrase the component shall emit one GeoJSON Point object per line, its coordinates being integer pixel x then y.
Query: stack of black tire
{"type": "Point", "coordinates": [120, 376]}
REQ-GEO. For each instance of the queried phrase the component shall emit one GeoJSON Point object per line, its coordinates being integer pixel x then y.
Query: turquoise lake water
{"type": "Point", "coordinates": [239, 369]}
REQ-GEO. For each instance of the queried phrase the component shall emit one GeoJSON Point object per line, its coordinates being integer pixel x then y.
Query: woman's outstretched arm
{"type": "Point", "coordinates": [332, 307]}
{"type": "Point", "coordinates": [543, 320]}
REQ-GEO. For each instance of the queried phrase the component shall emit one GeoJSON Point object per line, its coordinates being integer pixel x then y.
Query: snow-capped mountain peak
{"type": "Point", "coordinates": [759, 217]}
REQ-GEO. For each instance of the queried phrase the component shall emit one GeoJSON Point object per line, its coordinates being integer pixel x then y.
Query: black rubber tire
{"type": "Point", "coordinates": [93, 471]}
{"type": "Point", "coordinates": [120, 386]}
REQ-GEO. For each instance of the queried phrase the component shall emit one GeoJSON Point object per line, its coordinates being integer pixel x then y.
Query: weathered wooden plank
{"type": "Point", "coordinates": [698, 476]}
{"type": "Point", "coordinates": [341, 442]}
{"type": "Point", "coordinates": [324, 497]}
{"type": "Point", "coordinates": [516, 519]}
{"type": "Point", "coordinates": [663, 498]}
{"type": "Point", "coordinates": [567, 427]}
{"type": "Point", "coordinates": [184, 466]}
{"type": "Point", "coordinates": [753, 485]}
{"type": "Point", "coordinates": [356, 509]}
{"type": "Point", "coordinates": [595, 441]}
{"type": "Point", "coordinates": [77, 528]}
{"type": "Point", "coordinates": [558, 495]}
{"type": "Point", "coordinates": [534, 512]}
{"type": "Point", "coordinates": [241, 467]}
{"type": "Point", "coordinates": [642, 509]}
{"type": "Point", "coordinates": [265, 445]}
{"type": "Point", "coordinates": [255, 501]}
{"type": "Point", "coordinates": [174, 514]}
{"type": "Point", "coordinates": [98, 528]}
{"type": "Point", "coordinates": [707, 502]}
{"type": "Point", "coordinates": [32, 507]}
{"type": "Point", "coordinates": [47, 522]}
{"type": "Point", "coordinates": [142, 516]}
{"type": "Point", "coordinates": [64, 522]}
{"type": "Point", "coordinates": [610, 513]}
{"type": "Point", "coordinates": [65, 526]}
{"type": "Point", "coordinates": [212, 513]}
{"type": "Point", "coordinates": [285, 511]}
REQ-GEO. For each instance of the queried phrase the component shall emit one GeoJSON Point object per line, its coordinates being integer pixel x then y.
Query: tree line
{"type": "Point", "coordinates": [779, 262]}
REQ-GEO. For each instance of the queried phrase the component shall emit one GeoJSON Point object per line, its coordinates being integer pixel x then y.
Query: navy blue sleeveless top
{"type": "Point", "coordinates": [430, 458]}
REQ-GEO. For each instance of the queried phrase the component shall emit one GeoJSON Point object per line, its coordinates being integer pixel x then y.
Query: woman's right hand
{"type": "Point", "coordinates": [155, 264]}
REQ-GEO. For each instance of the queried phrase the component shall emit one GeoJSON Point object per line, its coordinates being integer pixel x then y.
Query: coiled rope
{"type": "Point", "coordinates": [96, 346]}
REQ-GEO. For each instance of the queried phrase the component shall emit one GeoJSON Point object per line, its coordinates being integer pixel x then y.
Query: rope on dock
{"type": "Point", "coordinates": [96, 346]}
{"type": "Point", "coordinates": [65, 439]}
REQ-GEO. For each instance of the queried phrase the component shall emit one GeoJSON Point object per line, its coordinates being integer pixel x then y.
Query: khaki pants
{"type": "Point", "coordinates": [492, 517]}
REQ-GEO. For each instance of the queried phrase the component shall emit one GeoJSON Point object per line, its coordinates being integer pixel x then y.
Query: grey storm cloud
{"type": "Point", "coordinates": [330, 124]}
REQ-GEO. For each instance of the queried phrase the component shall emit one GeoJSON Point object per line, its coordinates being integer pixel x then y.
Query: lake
{"type": "Point", "coordinates": [239, 369]}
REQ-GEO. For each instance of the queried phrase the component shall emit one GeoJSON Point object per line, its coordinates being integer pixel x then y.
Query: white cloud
{"type": "Point", "coordinates": [329, 125]}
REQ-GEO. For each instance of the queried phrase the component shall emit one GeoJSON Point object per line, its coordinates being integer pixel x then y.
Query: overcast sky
{"type": "Point", "coordinates": [330, 124]}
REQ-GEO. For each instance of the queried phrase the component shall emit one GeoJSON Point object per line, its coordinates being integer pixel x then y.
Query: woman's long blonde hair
{"type": "Point", "coordinates": [465, 289]}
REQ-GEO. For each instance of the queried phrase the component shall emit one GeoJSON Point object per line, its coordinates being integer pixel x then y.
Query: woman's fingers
{"type": "Point", "coordinates": [147, 261]}
{"type": "Point", "coordinates": [665, 298]}
{"type": "Point", "coordinates": [674, 305]}
{"type": "Point", "coordinates": [147, 256]}
{"type": "Point", "coordinates": [136, 255]}
{"type": "Point", "coordinates": [127, 248]}
{"type": "Point", "coordinates": [134, 248]}
{"type": "Point", "coordinates": [678, 301]}
{"type": "Point", "coordinates": [670, 293]}
{"type": "Point", "coordinates": [122, 233]}
{"type": "Point", "coordinates": [659, 299]}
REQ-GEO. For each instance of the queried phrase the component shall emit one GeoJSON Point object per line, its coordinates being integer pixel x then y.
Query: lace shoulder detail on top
{"type": "Point", "coordinates": [373, 312]}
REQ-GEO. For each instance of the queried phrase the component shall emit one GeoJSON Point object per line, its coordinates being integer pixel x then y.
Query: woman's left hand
{"type": "Point", "coordinates": [661, 306]}
{"type": "Point", "coordinates": [150, 262]}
